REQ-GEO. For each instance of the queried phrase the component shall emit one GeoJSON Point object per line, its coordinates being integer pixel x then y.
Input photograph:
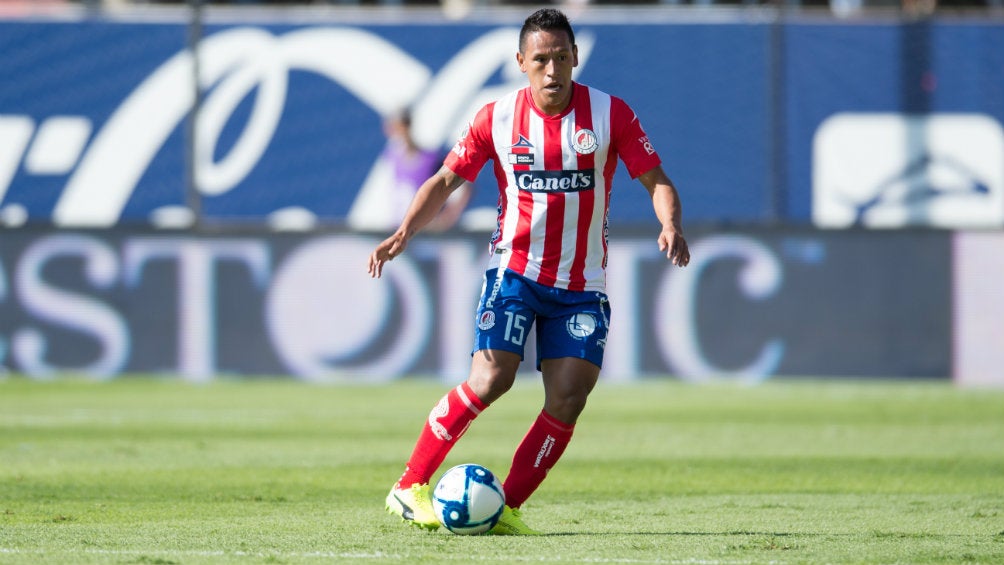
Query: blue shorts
{"type": "Point", "coordinates": [569, 323]}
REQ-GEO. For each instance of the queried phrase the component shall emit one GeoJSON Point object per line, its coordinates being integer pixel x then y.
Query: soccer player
{"type": "Point", "coordinates": [554, 146]}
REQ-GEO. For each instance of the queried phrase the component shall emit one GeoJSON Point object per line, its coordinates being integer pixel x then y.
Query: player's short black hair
{"type": "Point", "coordinates": [545, 19]}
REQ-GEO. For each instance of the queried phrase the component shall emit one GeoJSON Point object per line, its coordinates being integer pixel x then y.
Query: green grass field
{"type": "Point", "coordinates": [142, 471]}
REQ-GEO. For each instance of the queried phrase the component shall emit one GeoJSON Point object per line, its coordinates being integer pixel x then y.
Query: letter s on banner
{"type": "Point", "coordinates": [70, 310]}
{"type": "Point", "coordinates": [760, 277]}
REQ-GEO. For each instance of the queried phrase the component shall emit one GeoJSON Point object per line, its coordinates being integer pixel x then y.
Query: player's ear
{"type": "Point", "coordinates": [575, 55]}
{"type": "Point", "coordinates": [520, 61]}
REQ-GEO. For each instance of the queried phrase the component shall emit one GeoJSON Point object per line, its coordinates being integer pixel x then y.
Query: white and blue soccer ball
{"type": "Point", "coordinates": [468, 499]}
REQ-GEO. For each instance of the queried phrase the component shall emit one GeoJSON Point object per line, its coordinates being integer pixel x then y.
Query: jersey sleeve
{"type": "Point", "coordinates": [474, 147]}
{"type": "Point", "coordinates": [632, 142]}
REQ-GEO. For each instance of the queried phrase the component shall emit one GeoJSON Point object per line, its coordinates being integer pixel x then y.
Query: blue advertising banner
{"type": "Point", "coordinates": [892, 124]}
{"type": "Point", "coordinates": [758, 121]}
{"type": "Point", "coordinates": [751, 305]}
{"type": "Point", "coordinates": [292, 115]}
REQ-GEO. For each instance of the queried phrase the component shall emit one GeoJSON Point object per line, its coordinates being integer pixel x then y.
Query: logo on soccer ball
{"type": "Point", "coordinates": [487, 320]}
{"type": "Point", "coordinates": [468, 499]}
{"type": "Point", "coordinates": [584, 141]}
{"type": "Point", "coordinates": [581, 326]}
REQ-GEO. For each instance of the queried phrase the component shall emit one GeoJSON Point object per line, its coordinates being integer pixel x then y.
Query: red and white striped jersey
{"type": "Point", "coordinates": [554, 175]}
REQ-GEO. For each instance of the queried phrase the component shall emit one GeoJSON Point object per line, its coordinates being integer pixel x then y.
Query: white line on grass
{"type": "Point", "coordinates": [382, 555]}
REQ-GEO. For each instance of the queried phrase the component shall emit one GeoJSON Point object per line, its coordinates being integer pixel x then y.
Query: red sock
{"type": "Point", "coordinates": [537, 453]}
{"type": "Point", "coordinates": [448, 420]}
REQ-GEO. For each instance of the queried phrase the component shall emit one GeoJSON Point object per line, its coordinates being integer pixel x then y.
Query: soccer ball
{"type": "Point", "coordinates": [468, 499]}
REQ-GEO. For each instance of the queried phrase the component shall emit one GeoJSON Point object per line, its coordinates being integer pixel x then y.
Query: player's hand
{"type": "Point", "coordinates": [675, 246]}
{"type": "Point", "coordinates": [386, 251]}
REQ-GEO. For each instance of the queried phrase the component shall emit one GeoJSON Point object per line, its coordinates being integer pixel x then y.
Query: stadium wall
{"type": "Point", "coordinates": [789, 136]}
{"type": "Point", "coordinates": [760, 118]}
{"type": "Point", "coordinates": [753, 304]}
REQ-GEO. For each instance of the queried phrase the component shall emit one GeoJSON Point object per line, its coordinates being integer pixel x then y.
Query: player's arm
{"type": "Point", "coordinates": [666, 202]}
{"type": "Point", "coordinates": [426, 204]}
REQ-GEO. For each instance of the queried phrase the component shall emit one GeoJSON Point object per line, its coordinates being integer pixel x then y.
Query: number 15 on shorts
{"type": "Point", "coordinates": [515, 328]}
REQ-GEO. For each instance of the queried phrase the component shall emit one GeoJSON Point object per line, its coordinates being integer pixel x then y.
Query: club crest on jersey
{"type": "Point", "coordinates": [487, 320]}
{"type": "Point", "coordinates": [584, 141]}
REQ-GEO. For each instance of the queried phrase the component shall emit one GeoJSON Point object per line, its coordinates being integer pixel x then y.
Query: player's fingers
{"type": "Point", "coordinates": [375, 265]}
{"type": "Point", "coordinates": [681, 254]}
{"type": "Point", "coordinates": [672, 248]}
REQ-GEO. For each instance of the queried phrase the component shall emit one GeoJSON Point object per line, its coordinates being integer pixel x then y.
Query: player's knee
{"type": "Point", "coordinates": [489, 385]}
{"type": "Point", "coordinates": [492, 374]}
{"type": "Point", "coordinates": [567, 407]}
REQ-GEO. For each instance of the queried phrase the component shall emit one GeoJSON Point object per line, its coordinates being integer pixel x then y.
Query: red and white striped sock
{"type": "Point", "coordinates": [447, 422]}
{"type": "Point", "coordinates": [536, 455]}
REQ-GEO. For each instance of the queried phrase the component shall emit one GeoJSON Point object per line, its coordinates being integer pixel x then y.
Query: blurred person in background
{"type": "Point", "coordinates": [410, 166]}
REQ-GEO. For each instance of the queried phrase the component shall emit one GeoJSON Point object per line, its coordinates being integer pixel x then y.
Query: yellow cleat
{"type": "Point", "coordinates": [511, 524]}
{"type": "Point", "coordinates": [413, 505]}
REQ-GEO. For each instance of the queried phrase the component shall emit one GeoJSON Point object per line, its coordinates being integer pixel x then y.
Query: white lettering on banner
{"type": "Point", "coordinates": [235, 65]}
{"type": "Point", "coordinates": [319, 316]}
{"type": "Point", "coordinates": [760, 277]}
{"type": "Point", "coordinates": [326, 320]}
{"type": "Point", "coordinates": [58, 143]}
{"type": "Point", "coordinates": [196, 260]}
{"type": "Point", "coordinates": [67, 309]}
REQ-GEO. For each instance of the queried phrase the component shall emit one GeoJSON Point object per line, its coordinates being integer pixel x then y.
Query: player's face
{"type": "Point", "coordinates": [548, 58]}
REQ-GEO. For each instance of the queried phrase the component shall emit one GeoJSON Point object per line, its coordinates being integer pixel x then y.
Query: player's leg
{"type": "Point", "coordinates": [410, 498]}
{"type": "Point", "coordinates": [567, 383]}
{"type": "Point", "coordinates": [492, 374]}
{"type": "Point", "coordinates": [570, 344]}
{"type": "Point", "coordinates": [493, 371]}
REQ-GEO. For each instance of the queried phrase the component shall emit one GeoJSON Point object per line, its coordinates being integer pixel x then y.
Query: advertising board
{"type": "Point", "coordinates": [751, 305]}
{"type": "Point", "coordinates": [757, 121]}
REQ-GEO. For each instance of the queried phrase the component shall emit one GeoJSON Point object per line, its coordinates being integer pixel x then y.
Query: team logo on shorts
{"type": "Point", "coordinates": [487, 320]}
{"type": "Point", "coordinates": [581, 326]}
{"type": "Point", "coordinates": [584, 141]}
